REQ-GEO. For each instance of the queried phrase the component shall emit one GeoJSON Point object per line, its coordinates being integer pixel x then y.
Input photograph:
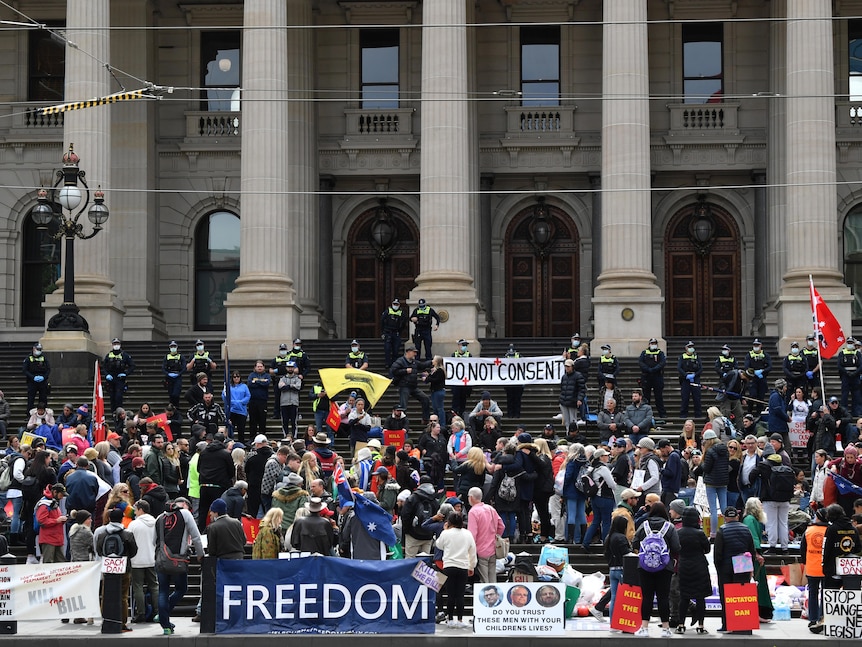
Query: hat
{"type": "Point", "coordinates": [576, 335]}
{"type": "Point", "coordinates": [833, 399]}
{"type": "Point", "coordinates": [282, 347]}
{"type": "Point", "coordinates": [756, 342]}
{"type": "Point", "coordinates": [628, 493]}
{"type": "Point", "coordinates": [611, 379]}
{"type": "Point", "coordinates": [421, 302]}
{"type": "Point", "coordinates": [260, 439]}
{"type": "Point", "coordinates": [373, 443]}
{"type": "Point", "coordinates": [363, 454]}
{"type": "Point", "coordinates": [678, 506]}
{"type": "Point", "coordinates": [199, 341]}
{"type": "Point", "coordinates": [398, 408]}
{"type": "Point", "coordinates": [601, 451]}
{"type": "Point", "coordinates": [820, 515]}
{"type": "Point", "coordinates": [730, 513]}
{"type": "Point", "coordinates": [646, 443]}
{"type": "Point", "coordinates": [173, 342]}
{"type": "Point", "coordinates": [794, 344]}
{"type": "Point", "coordinates": [653, 340]}
{"type": "Point", "coordinates": [352, 394]}
{"type": "Point", "coordinates": [291, 364]}
{"type": "Point", "coordinates": [748, 416]}
{"type": "Point", "coordinates": [403, 495]}
{"type": "Point", "coordinates": [71, 448]}
{"type": "Point", "coordinates": [775, 458]}
{"type": "Point", "coordinates": [410, 348]}
{"type": "Point", "coordinates": [606, 347]}
{"type": "Point", "coordinates": [396, 302]}
{"type": "Point", "coordinates": [241, 485]}
{"type": "Point", "coordinates": [453, 501]}
{"type": "Point", "coordinates": [551, 427]}
{"type": "Point", "coordinates": [777, 437]}
{"type": "Point", "coordinates": [851, 449]}
{"type": "Point", "coordinates": [297, 341]}
{"type": "Point", "coordinates": [381, 471]}
{"type": "Point", "coordinates": [315, 504]}
{"type": "Point", "coordinates": [113, 436]}
{"type": "Point", "coordinates": [218, 506]}
{"type": "Point", "coordinates": [780, 383]}
{"type": "Point", "coordinates": [620, 442]}
{"type": "Point", "coordinates": [321, 438]}
{"type": "Point", "coordinates": [37, 346]}
{"type": "Point", "coordinates": [424, 479]}
{"type": "Point", "coordinates": [696, 452]}
{"type": "Point", "coordinates": [486, 395]}
{"type": "Point", "coordinates": [810, 337]}
{"type": "Point", "coordinates": [116, 514]}
{"type": "Point", "coordinates": [525, 438]}
{"type": "Point", "coordinates": [137, 462]}
{"type": "Point", "coordinates": [570, 362]}
{"type": "Point", "coordinates": [709, 434]}
{"type": "Point", "coordinates": [294, 479]}
{"type": "Point", "coordinates": [725, 347]}
{"type": "Point", "coordinates": [664, 442]}
{"type": "Point", "coordinates": [115, 340]}
{"type": "Point", "coordinates": [462, 342]}
{"type": "Point", "coordinates": [355, 342]}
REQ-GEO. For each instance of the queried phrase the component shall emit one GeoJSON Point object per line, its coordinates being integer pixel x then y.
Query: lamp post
{"type": "Point", "coordinates": [70, 196]}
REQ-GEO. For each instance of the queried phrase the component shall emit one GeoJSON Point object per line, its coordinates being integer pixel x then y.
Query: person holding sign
{"type": "Point", "coordinates": [105, 545]}
{"type": "Point", "coordinates": [733, 538]}
{"type": "Point", "coordinates": [840, 540]}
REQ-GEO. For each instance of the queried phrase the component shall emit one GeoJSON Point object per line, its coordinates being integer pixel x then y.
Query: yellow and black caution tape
{"type": "Point", "coordinates": [91, 103]}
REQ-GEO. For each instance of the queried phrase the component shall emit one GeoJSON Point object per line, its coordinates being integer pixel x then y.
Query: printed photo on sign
{"type": "Point", "coordinates": [519, 608]}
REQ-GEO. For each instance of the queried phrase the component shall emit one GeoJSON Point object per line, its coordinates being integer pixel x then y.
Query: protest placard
{"type": "Point", "coordinates": [740, 604]}
{"type": "Point", "coordinates": [535, 608]}
{"type": "Point", "coordinates": [627, 609]}
{"type": "Point", "coordinates": [842, 613]}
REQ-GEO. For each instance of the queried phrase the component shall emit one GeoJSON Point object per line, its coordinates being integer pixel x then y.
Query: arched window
{"type": "Point", "coordinates": [216, 268]}
{"type": "Point", "coordinates": [853, 260]}
{"type": "Point", "coordinates": [40, 269]}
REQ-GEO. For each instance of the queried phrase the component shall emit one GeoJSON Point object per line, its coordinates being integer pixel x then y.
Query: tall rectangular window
{"type": "Point", "coordinates": [540, 66]}
{"type": "Point", "coordinates": [854, 49]}
{"type": "Point", "coordinates": [220, 70]}
{"type": "Point", "coordinates": [702, 63]}
{"type": "Point", "coordinates": [379, 52]}
{"type": "Point", "coordinates": [46, 73]}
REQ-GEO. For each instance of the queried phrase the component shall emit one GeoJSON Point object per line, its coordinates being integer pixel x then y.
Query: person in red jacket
{"type": "Point", "coordinates": [52, 522]}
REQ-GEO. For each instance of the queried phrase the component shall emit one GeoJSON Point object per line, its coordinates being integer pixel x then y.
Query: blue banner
{"type": "Point", "coordinates": [322, 595]}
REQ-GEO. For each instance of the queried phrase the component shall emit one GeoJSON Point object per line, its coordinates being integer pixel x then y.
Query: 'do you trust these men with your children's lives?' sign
{"type": "Point", "coordinates": [535, 608]}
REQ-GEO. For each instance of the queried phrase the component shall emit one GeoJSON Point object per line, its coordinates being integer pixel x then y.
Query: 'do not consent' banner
{"type": "Point", "coordinates": [322, 595]}
{"type": "Point", "coordinates": [503, 371]}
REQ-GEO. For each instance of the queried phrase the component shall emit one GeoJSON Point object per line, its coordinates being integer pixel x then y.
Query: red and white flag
{"type": "Point", "coordinates": [99, 432]}
{"type": "Point", "coordinates": [830, 336]}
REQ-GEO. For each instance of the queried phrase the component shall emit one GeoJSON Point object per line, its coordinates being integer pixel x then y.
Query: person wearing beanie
{"type": "Point", "coordinates": [130, 549]}
{"type": "Point", "coordinates": [651, 466]}
{"type": "Point", "coordinates": [225, 536]}
{"type": "Point", "coordinates": [484, 409]}
{"type": "Point", "coordinates": [234, 497]}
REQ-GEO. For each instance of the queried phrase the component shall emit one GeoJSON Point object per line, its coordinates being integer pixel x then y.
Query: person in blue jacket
{"type": "Point", "coordinates": [239, 399]}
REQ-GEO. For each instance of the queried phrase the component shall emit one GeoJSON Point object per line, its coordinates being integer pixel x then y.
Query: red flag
{"type": "Point", "coordinates": [830, 336]}
{"type": "Point", "coordinates": [99, 432]}
{"type": "Point", "coordinates": [333, 419]}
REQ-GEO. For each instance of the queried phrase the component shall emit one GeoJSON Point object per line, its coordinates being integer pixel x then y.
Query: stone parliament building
{"type": "Point", "coordinates": [622, 168]}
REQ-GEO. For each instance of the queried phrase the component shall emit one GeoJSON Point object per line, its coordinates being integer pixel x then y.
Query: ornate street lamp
{"type": "Point", "coordinates": [541, 229]}
{"type": "Point", "coordinates": [383, 231]}
{"type": "Point", "coordinates": [701, 227]}
{"type": "Point", "coordinates": [70, 196]}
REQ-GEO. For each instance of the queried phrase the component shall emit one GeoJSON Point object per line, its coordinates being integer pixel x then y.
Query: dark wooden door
{"type": "Point", "coordinates": [703, 285]}
{"type": "Point", "coordinates": [542, 282]}
{"type": "Point", "coordinates": [375, 278]}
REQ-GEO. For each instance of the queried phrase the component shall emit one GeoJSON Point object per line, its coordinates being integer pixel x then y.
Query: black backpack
{"type": "Point", "coordinates": [425, 509]}
{"type": "Point", "coordinates": [114, 546]}
{"type": "Point", "coordinates": [782, 479]}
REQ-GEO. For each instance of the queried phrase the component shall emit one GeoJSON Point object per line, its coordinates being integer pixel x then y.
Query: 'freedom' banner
{"type": "Point", "coordinates": [503, 371]}
{"type": "Point", "coordinates": [322, 595]}
{"type": "Point", "coordinates": [50, 591]}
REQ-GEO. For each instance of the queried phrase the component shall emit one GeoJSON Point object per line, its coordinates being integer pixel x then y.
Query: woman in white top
{"type": "Point", "coordinates": [459, 560]}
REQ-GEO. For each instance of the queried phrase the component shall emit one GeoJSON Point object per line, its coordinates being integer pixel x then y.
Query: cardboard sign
{"type": "Point", "coordinates": [114, 565]}
{"type": "Point", "coordinates": [799, 435]}
{"type": "Point", "coordinates": [250, 527]}
{"type": "Point", "coordinates": [627, 609]}
{"type": "Point", "coordinates": [740, 604]}
{"type": "Point", "coordinates": [426, 575]}
{"type": "Point", "coordinates": [842, 613]}
{"type": "Point", "coordinates": [394, 437]}
{"type": "Point", "coordinates": [848, 565]}
{"type": "Point", "coordinates": [519, 609]}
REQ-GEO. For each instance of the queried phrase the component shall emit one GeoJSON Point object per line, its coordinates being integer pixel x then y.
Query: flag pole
{"type": "Point", "coordinates": [817, 338]}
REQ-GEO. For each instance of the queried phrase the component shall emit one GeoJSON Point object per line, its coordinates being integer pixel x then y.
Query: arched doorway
{"type": "Point", "coordinates": [702, 263]}
{"type": "Point", "coordinates": [382, 264]}
{"type": "Point", "coordinates": [216, 268]}
{"type": "Point", "coordinates": [541, 273]}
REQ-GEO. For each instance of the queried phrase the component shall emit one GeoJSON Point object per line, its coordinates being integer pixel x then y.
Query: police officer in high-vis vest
{"type": "Point", "coordinates": [849, 370]}
{"type": "Point", "coordinates": [760, 362]}
{"type": "Point", "coordinates": [514, 393]}
{"type": "Point", "coordinates": [652, 361]}
{"type": "Point", "coordinates": [423, 318]}
{"type": "Point", "coordinates": [37, 368]}
{"type": "Point", "coordinates": [200, 362]}
{"type": "Point", "coordinates": [173, 366]}
{"type": "Point", "coordinates": [609, 366]}
{"type": "Point", "coordinates": [811, 353]}
{"type": "Point", "coordinates": [392, 322]}
{"type": "Point", "coordinates": [117, 365]}
{"type": "Point", "coordinates": [795, 368]}
{"type": "Point", "coordinates": [358, 359]}
{"type": "Point", "coordinates": [277, 368]}
{"type": "Point", "coordinates": [689, 368]}
{"type": "Point", "coordinates": [726, 362]}
{"type": "Point", "coordinates": [460, 394]}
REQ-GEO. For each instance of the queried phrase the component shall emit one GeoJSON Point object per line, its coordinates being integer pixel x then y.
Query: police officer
{"type": "Point", "coordinates": [422, 317]}
{"type": "Point", "coordinates": [118, 364]}
{"type": "Point", "coordinates": [725, 362]}
{"type": "Point", "coordinates": [173, 366]}
{"type": "Point", "coordinates": [300, 357]}
{"type": "Point", "coordinates": [609, 366]}
{"type": "Point", "coordinates": [689, 368]}
{"type": "Point", "coordinates": [514, 393]}
{"type": "Point", "coordinates": [277, 368]}
{"type": "Point", "coordinates": [811, 353]}
{"type": "Point", "coordinates": [652, 361]}
{"type": "Point", "coordinates": [572, 351]}
{"type": "Point", "coordinates": [392, 322]}
{"type": "Point", "coordinates": [795, 368]}
{"type": "Point", "coordinates": [760, 362]}
{"type": "Point", "coordinates": [37, 368]}
{"type": "Point", "coordinates": [849, 368]}
{"type": "Point", "coordinates": [200, 362]}
{"type": "Point", "coordinates": [358, 359]}
{"type": "Point", "coordinates": [460, 394]}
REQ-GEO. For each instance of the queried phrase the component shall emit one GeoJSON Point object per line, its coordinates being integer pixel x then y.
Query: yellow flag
{"type": "Point", "coordinates": [336, 380]}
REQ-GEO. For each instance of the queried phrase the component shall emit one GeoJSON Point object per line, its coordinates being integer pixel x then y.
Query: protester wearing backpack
{"type": "Point", "coordinates": [52, 523]}
{"type": "Point", "coordinates": [506, 508]}
{"type": "Point", "coordinates": [176, 529]}
{"type": "Point", "coordinates": [418, 508]}
{"type": "Point", "coordinates": [523, 469]}
{"type": "Point", "coordinates": [115, 541]}
{"type": "Point", "coordinates": [657, 545]}
{"type": "Point", "coordinates": [777, 481]}
{"type": "Point", "coordinates": [601, 497]}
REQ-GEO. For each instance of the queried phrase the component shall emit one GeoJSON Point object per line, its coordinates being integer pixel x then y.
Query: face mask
{"type": "Point", "coordinates": [606, 353]}
{"type": "Point", "coordinates": [653, 346]}
{"type": "Point", "coordinates": [396, 307]}
{"type": "Point", "coordinates": [794, 351]}
{"type": "Point", "coordinates": [849, 348]}
{"type": "Point", "coordinates": [726, 353]}
{"type": "Point", "coordinates": [37, 353]}
{"type": "Point", "coordinates": [354, 348]}
{"type": "Point", "coordinates": [463, 349]}
{"type": "Point", "coordinates": [199, 347]}
{"type": "Point", "coordinates": [575, 342]}
{"type": "Point", "coordinates": [283, 353]}
{"type": "Point", "coordinates": [811, 343]}
{"type": "Point", "coordinates": [173, 350]}
{"type": "Point", "coordinates": [116, 347]}
{"type": "Point", "coordinates": [690, 350]}
{"type": "Point", "coordinates": [756, 349]}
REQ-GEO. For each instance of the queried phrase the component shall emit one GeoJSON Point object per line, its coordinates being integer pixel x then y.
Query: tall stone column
{"type": "Point", "coordinates": [486, 275]}
{"type": "Point", "coordinates": [324, 252]}
{"type": "Point", "coordinates": [446, 248]}
{"type": "Point", "coordinates": [627, 300]}
{"type": "Point", "coordinates": [87, 25]}
{"type": "Point", "coordinates": [811, 239]}
{"type": "Point", "coordinates": [262, 311]}
{"type": "Point", "coordinates": [302, 166]}
{"type": "Point", "coordinates": [761, 245]}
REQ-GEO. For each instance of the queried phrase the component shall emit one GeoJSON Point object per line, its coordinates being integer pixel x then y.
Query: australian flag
{"type": "Point", "coordinates": [344, 492]}
{"type": "Point", "coordinates": [376, 520]}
